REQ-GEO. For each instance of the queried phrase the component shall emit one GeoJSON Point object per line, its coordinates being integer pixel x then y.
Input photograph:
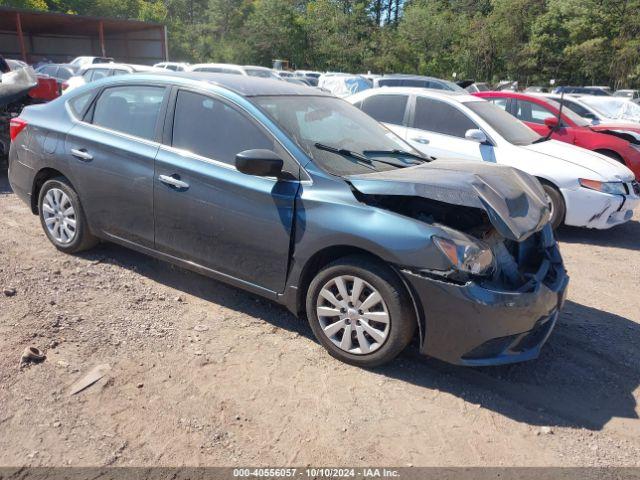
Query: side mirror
{"type": "Point", "coordinates": [475, 135]}
{"type": "Point", "coordinates": [260, 163]}
{"type": "Point", "coordinates": [551, 122]}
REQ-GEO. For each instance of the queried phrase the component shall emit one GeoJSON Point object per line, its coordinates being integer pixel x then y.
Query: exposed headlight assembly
{"type": "Point", "coordinates": [466, 255]}
{"type": "Point", "coordinates": [612, 188]}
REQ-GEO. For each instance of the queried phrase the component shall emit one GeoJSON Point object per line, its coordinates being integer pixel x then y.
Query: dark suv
{"type": "Point", "coordinates": [302, 198]}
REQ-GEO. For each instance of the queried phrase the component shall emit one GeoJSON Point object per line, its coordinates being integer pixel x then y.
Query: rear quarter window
{"type": "Point", "coordinates": [79, 104]}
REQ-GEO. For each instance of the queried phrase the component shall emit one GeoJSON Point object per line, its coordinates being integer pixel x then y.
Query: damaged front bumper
{"type": "Point", "coordinates": [592, 209]}
{"type": "Point", "coordinates": [476, 325]}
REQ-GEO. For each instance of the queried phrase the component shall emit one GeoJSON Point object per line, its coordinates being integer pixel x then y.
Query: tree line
{"type": "Point", "coordinates": [585, 42]}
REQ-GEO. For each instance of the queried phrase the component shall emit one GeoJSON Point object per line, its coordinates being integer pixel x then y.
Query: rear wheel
{"type": "Point", "coordinates": [62, 217]}
{"type": "Point", "coordinates": [360, 312]}
{"type": "Point", "coordinates": [556, 205]}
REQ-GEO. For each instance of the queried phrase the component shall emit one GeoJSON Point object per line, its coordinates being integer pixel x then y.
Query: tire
{"type": "Point", "coordinates": [55, 199]}
{"type": "Point", "coordinates": [558, 208]}
{"type": "Point", "coordinates": [395, 304]}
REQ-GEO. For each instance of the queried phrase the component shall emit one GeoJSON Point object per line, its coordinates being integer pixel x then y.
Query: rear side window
{"type": "Point", "coordinates": [386, 108]}
{"type": "Point", "coordinates": [118, 72]}
{"type": "Point", "coordinates": [131, 109]}
{"type": "Point", "coordinates": [579, 109]}
{"type": "Point", "coordinates": [439, 117]}
{"type": "Point", "coordinates": [212, 129]}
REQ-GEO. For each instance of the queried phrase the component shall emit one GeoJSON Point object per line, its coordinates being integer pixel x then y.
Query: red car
{"type": "Point", "coordinates": [619, 141]}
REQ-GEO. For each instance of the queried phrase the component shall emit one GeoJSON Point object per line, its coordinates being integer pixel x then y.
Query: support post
{"type": "Point", "coordinates": [165, 43]}
{"type": "Point", "coordinates": [101, 37]}
{"type": "Point", "coordinates": [23, 48]}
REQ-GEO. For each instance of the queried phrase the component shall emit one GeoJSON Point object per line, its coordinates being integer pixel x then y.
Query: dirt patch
{"type": "Point", "coordinates": [204, 374]}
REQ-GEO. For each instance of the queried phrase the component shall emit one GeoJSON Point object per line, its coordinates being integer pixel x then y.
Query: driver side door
{"type": "Point", "coordinates": [208, 213]}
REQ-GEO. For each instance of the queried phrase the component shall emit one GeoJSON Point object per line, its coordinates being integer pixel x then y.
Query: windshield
{"type": "Point", "coordinates": [614, 107]}
{"type": "Point", "coordinates": [258, 72]}
{"type": "Point", "coordinates": [507, 126]}
{"type": "Point", "coordinates": [334, 123]}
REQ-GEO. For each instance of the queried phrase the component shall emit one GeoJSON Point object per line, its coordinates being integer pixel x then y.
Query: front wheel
{"type": "Point", "coordinates": [62, 217]}
{"type": "Point", "coordinates": [556, 205]}
{"type": "Point", "coordinates": [360, 312]}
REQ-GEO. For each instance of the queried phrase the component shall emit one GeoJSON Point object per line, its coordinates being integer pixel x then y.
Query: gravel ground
{"type": "Point", "coordinates": [204, 374]}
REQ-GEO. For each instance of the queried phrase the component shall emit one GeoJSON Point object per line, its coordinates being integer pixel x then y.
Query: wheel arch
{"type": "Point", "coordinates": [555, 187]}
{"type": "Point", "coordinates": [327, 255]}
{"type": "Point", "coordinates": [607, 152]}
{"type": "Point", "coordinates": [42, 176]}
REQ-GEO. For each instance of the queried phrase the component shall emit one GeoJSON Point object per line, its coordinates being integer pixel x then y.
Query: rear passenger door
{"type": "Point", "coordinates": [111, 153]}
{"type": "Point", "coordinates": [207, 212]}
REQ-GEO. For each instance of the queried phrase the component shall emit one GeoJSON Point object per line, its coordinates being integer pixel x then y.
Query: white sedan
{"type": "Point", "coordinates": [585, 188]}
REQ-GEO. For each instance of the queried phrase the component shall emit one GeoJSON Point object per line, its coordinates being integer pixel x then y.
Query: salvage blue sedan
{"type": "Point", "coordinates": [298, 196]}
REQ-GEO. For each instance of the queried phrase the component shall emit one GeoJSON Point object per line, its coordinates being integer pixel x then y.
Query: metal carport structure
{"type": "Point", "coordinates": [32, 36]}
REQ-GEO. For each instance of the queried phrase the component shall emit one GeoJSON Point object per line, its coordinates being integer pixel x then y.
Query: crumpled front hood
{"type": "Point", "coordinates": [607, 168]}
{"type": "Point", "coordinates": [514, 201]}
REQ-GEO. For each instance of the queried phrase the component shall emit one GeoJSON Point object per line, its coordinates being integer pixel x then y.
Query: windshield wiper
{"type": "Point", "coordinates": [540, 140]}
{"type": "Point", "coordinates": [398, 152]}
{"type": "Point", "coordinates": [346, 153]}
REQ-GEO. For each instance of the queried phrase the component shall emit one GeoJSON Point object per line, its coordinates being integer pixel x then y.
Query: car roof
{"type": "Point", "coordinates": [243, 85]}
{"type": "Point", "coordinates": [218, 65]}
{"type": "Point", "coordinates": [409, 76]}
{"type": "Point", "coordinates": [111, 65]}
{"type": "Point", "coordinates": [457, 96]}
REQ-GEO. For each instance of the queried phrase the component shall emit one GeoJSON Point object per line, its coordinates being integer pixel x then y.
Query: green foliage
{"type": "Point", "coordinates": [532, 41]}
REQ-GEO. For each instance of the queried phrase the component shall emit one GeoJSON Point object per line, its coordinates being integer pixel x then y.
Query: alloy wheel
{"type": "Point", "coordinates": [59, 216]}
{"type": "Point", "coordinates": [353, 315]}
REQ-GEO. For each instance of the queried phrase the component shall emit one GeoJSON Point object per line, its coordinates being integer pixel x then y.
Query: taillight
{"type": "Point", "coordinates": [65, 85]}
{"type": "Point", "coordinates": [16, 125]}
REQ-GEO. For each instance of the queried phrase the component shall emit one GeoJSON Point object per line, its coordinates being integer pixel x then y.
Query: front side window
{"type": "Point", "coordinates": [439, 117]}
{"type": "Point", "coordinates": [386, 108]}
{"type": "Point", "coordinates": [532, 112]}
{"type": "Point", "coordinates": [212, 129]}
{"type": "Point", "coordinates": [132, 109]}
{"type": "Point", "coordinates": [577, 108]}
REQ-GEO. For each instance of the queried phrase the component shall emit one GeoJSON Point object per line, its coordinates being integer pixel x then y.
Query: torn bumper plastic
{"type": "Point", "coordinates": [474, 325]}
{"type": "Point", "coordinates": [592, 209]}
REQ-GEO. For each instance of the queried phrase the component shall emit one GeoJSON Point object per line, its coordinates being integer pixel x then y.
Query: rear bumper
{"type": "Point", "coordinates": [591, 209]}
{"type": "Point", "coordinates": [475, 326]}
{"type": "Point", "coordinates": [20, 176]}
